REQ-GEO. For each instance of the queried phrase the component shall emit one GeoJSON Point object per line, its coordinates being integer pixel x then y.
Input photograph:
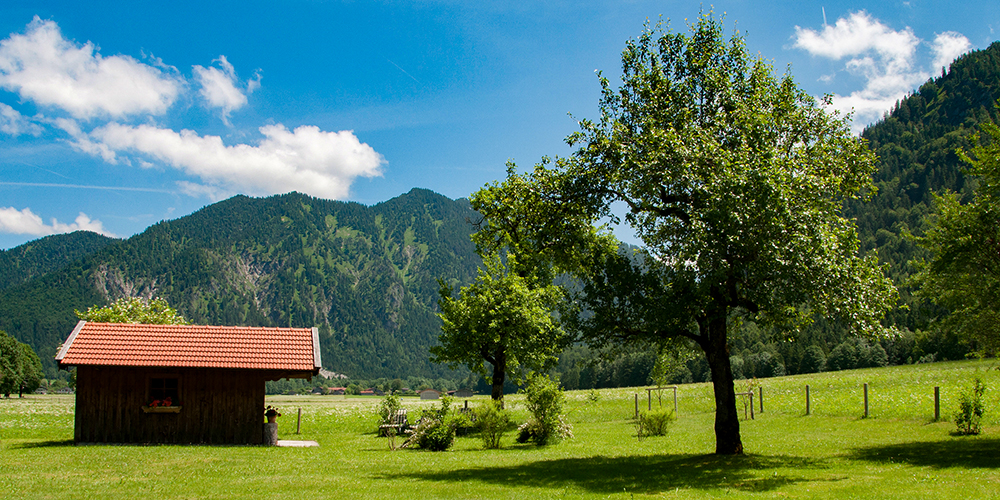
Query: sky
{"type": "Point", "coordinates": [117, 115]}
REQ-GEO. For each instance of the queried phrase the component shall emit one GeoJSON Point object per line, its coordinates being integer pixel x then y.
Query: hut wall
{"type": "Point", "coordinates": [217, 406]}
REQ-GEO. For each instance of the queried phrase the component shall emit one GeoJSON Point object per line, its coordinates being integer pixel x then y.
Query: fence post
{"type": "Point", "coordinates": [675, 400]}
{"type": "Point", "coordinates": [761, 399]}
{"type": "Point", "coordinates": [298, 424]}
{"type": "Point", "coordinates": [637, 405]}
{"type": "Point", "coordinates": [807, 399]}
{"type": "Point", "coordinates": [866, 400]}
{"type": "Point", "coordinates": [751, 404]}
{"type": "Point", "coordinates": [649, 400]}
{"type": "Point", "coordinates": [937, 403]}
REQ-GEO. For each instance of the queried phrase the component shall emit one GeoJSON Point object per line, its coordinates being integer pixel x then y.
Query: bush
{"type": "Point", "coordinates": [971, 409]}
{"type": "Point", "coordinates": [431, 433]}
{"type": "Point", "coordinates": [388, 407]}
{"type": "Point", "coordinates": [544, 401]}
{"type": "Point", "coordinates": [436, 429]}
{"type": "Point", "coordinates": [492, 421]}
{"type": "Point", "coordinates": [654, 423]}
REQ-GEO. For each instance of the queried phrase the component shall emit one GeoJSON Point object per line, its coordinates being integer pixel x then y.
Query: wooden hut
{"type": "Point", "coordinates": [139, 383]}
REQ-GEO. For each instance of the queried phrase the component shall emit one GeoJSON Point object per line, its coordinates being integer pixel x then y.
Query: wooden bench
{"type": "Point", "coordinates": [397, 422]}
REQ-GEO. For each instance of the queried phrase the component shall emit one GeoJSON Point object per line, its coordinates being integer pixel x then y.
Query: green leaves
{"type": "Point", "coordinates": [501, 318]}
{"type": "Point", "coordinates": [134, 310]}
{"type": "Point", "coordinates": [963, 273]}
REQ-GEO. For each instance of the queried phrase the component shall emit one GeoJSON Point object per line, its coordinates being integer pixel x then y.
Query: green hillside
{"type": "Point", "coordinates": [44, 255]}
{"type": "Point", "coordinates": [365, 276]}
{"type": "Point", "coordinates": [916, 145]}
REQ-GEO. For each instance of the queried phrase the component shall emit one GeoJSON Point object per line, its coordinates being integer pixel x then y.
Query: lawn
{"type": "Point", "coordinates": [898, 452]}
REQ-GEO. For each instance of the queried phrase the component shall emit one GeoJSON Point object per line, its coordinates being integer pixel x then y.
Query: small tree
{"type": "Point", "coordinates": [491, 420]}
{"type": "Point", "coordinates": [545, 402]}
{"type": "Point", "coordinates": [971, 409]}
{"type": "Point", "coordinates": [134, 310]}
{"type": "Point", "coordinates": [503, 318]}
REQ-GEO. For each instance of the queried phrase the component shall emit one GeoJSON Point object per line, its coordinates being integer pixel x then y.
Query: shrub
{"type": "Point", "coordinates": [388, 407]}
{"type": "Point", "coordinates": [544, 401]}
{"type": "Point", "coordinates": [492, 421]}
{"type": "Point", "coordinates": [431, 433]}
{"type": "Point", "coordinates": [436, 429]}
{"type": "Point", "coordinates": [971, 409]}
{"type": "Point", "coordinates": [654, 423]}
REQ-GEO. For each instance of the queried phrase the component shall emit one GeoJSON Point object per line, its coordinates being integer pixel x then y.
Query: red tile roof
{"type": "Point", "coordinates": [193, 346]}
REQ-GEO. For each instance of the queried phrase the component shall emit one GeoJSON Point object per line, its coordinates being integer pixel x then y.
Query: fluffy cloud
{"type": "Point", "coordinates": [42, 66]}
{"type": "Point", "coordinates": [98, 100]}
{"type": "Point", "coordinates": [25, 221]}
{"type": "Point", "coordinates": [14, 123]}
{"type": "Point", "coordinates": [883, 57]}
{"type": "Point", "coordinates": [218, 87]}
{"type": "Point", "coordinates": [307, 159]}
{"type": "Point", "coordinates": [947, 46]}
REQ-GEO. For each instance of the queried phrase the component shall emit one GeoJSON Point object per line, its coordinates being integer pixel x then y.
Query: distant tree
{"type": "Point", "coordinates": [963, 274]}
{"type": "Point", "coordinates": [134, 310]}
{"type": "Point", "coordinates": [503, 319]}
{"type": "Point", "coordinates": [20, 368]}
{"type": "Point", "coordinates": [734, 180]}
{"type": "Point", "coordinates": [30, 368]}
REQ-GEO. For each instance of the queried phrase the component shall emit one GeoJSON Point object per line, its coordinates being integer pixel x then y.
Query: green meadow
{"type": "Point", "coordinates": [898, 452]}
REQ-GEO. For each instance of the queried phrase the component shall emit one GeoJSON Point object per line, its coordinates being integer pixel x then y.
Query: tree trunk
{"type": "Point", "coordinates": [499, 375]}
{"type": "Point", "coordinates": [727, 421]}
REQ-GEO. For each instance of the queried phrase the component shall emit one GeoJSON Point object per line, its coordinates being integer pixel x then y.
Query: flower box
{"type": "Point", "coordinates": [161, 409]}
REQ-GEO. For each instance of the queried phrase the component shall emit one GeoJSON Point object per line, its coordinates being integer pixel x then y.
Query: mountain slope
{"type": "Point", "coordinates": [44, 255]}
{"type": "Point", "coordinates": [916, 146]}
{"type": "Point", "coordinates": [365, 276]}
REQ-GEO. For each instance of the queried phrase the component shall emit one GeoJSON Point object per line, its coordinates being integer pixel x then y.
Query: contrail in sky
{"type": "Point", "coordinates": [81, 186]}
{"type": "Point", "coordinates": [404, 71]}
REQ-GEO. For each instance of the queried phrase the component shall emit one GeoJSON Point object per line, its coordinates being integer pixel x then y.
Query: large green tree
{"type": "Point", "coordinates": [733, 179]}
{"type": "Point", "coordinates": [963, 272]}
{"type": "Point", "coordinates": [503, 318]}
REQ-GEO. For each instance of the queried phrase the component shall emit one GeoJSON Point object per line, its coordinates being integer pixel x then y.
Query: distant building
{"type": "Point", "coordinates": [140, 383]}
{"type": "Point", "coordinates": [464, 393]}
{"type": "Point", "coordinates": [429, 394]}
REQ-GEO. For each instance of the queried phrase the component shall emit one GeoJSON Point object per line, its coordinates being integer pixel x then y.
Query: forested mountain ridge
{"type": "Point", "coordinates": [44, 255]}
{"type": "Point", "coordinates": [916, 144]}
{"type": "Point", "coordinates": [365, 276]}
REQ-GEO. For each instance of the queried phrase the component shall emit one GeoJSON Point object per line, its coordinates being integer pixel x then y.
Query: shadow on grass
{"type": "Point", "coordinates": [56, 443]}
{"type": "Point", "coordinates": [638, 474]}
{"type": "Point", "coordinates": [966, 452]}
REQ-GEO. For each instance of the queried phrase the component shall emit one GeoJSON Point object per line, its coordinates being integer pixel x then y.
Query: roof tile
{"type": "Point", "coordinates": [113, 344]}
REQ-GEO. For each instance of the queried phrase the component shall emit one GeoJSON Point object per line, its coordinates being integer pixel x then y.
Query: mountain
{"type": "Point", "coordinates": [35, 258]}
{"type": "Point", "coordinates": [916, 144]}
{"type": "Point", "coordinates": [365, 276]}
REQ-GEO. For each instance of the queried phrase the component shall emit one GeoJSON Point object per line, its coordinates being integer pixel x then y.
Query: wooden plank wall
{"type": "Point", "coordinates": [218, 406]}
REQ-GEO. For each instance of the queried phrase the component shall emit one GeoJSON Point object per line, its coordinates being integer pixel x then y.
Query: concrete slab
{"type": "Point", "coordinates": [297, 444]}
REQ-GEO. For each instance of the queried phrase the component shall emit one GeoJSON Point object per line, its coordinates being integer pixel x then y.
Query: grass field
{"type": "Point", "coordinates": [899, 452]}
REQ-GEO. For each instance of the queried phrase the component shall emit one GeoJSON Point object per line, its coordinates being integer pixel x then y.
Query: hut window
{"type": "Point", "coordinates": [161, 388]}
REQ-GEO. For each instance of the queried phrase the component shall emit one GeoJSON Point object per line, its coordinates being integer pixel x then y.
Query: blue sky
{"type": "Point", "coordinates": [114, 116]}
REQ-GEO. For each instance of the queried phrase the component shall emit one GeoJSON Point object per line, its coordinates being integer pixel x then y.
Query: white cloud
{"type": "Point", "coordinates": [98, 100]}
{"type": "Point", "coordinates": [25, 221]}
{"type": "Point", "coordinates": [884, 58]}
{"type": "Point", "coordinates": [218, 87]}
{"type": "Point", "coordinates": [42, 66]}
{"type": "Point", "coordinates": [307, 159]}
{"type": "Point", "coordinates": [947, 46]}
{"type": "Point", "coordinates": [14, 123]}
